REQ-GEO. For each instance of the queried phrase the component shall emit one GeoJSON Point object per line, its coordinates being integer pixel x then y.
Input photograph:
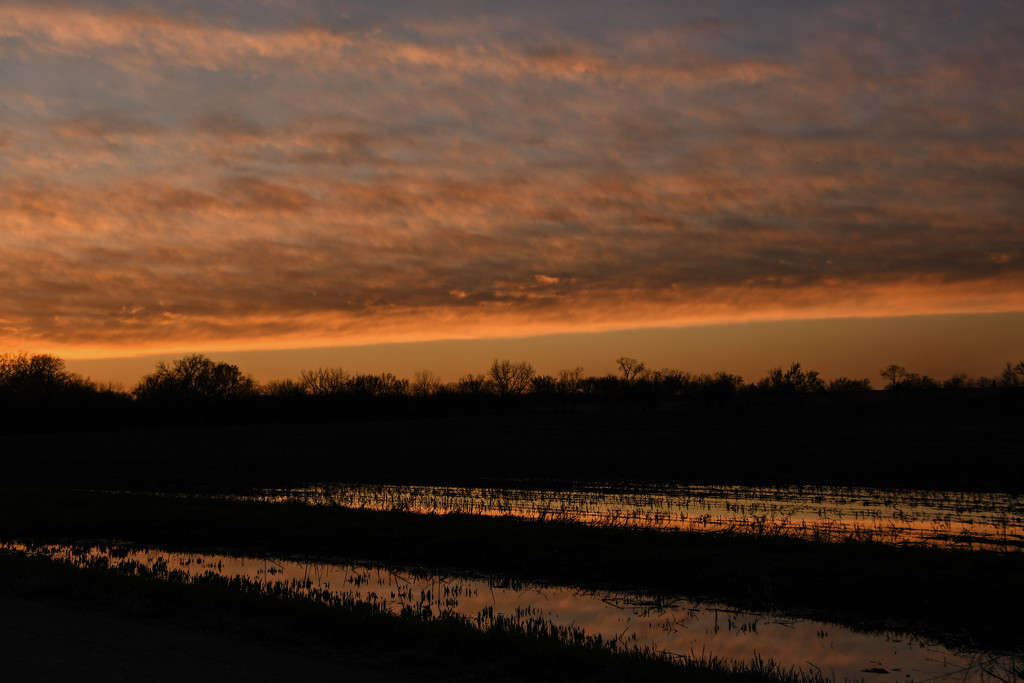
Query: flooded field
{"type": "Point", "coordinates": [668, 624]}
{"type": "Point", "coordinates": [992, 521]}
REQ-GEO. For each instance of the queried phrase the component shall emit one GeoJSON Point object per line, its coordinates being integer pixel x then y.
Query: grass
{"type": "Point", "coordinates": [950, 595]}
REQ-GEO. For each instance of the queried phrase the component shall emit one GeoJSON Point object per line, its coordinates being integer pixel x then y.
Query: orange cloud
{"type": "Point", "coordinates": [245, 185]}
{"type": "Point", "coordinates": [137, 40]}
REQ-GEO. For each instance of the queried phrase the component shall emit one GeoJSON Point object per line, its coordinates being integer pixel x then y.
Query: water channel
{"type": "Point", "coordinates": [669, 624]}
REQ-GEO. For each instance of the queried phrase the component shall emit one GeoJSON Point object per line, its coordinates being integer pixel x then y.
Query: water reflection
{"type": "Point", "coordinates": [669, 624]}
{"type": "Point", "coordinates": [936, 518]}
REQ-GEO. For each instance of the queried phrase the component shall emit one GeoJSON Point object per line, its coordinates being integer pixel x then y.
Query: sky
{"type": "Point", "coordinates": [392, 184]}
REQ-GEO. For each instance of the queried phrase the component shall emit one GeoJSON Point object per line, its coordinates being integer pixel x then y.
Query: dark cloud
{"type": "Point", "coordinates": [300, 174]}
{"type": "Point", "coordinates": [256, 194]}
{"type": "Point", "coordinates": [104, 126]}
{"type": "Point", "coordinates": [231, 126]}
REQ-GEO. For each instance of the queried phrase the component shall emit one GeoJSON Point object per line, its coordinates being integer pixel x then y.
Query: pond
{"type": "Point", "coordinates": [935, 518]}
{"type": "Point", "coordinates": [669, 624]}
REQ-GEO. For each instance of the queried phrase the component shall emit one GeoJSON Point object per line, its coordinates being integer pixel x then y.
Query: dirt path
{"type": "Point", "coordinates": [42, 641]}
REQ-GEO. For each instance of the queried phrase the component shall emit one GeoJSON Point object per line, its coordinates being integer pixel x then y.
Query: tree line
{"type": "Point", "coordinates": [39, 392]}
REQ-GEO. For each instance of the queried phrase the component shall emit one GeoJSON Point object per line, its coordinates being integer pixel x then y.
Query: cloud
{"type": "Point", "coordinates": [249, 181]}
{"type": "Point", "coordinates": [136, 41]}
{"type": "Point", "coordinates": [256, 194]}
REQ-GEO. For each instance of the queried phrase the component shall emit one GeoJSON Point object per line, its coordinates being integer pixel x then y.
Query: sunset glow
{"type": "Point", "coordinates": [287, 175]}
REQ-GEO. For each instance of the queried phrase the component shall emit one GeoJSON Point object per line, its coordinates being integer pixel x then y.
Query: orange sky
{"type": "Point", "coordinates": [939, 346]}
{"type": "Point", "coordinates": [284, 175]}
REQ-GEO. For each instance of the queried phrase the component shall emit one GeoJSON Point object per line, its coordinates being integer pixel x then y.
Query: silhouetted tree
{"type": "Point", "coordinates": [631, 368]}
{"type": "Point", "coordinates": [38, 392]}
{"type": "Point", "coordinates": [569, 386]}
{"type": "Point", "coordinates": [719, 389]}
{"type": "Point", "coordinates": [894, 374]}
{"type": "Point", "coordinates": [511, 379]}
{"type": "Point", "coordinates": [384, 384]}
{"type": "Point", "coordinates": [1012, 376]}
{"type": "Point", "coordinates": [795, 380]}
{"type": "Point", "coordinates": [912, 381]}
{"type": "Point", "coordinates": [570, 382]}
{"type": "Point", "coordinates": [283, 388]}
{"type": "Point", "coordinates": [544, 389]}
{"type": "Point", "coordinates": [848, 385]}
{"type": "Point", "coordinates": [674, 385]}
{"type": "Point", "coordinates": [986, 382]}
{"type": "Point", "coordinates": [958, 382]}
{"type": "Point", "coordinates": [425, 383]}
{"type": "Point", "coordinates": [195, 378]}
{"type": "Point", "coordinates": [323, 381]}
{"type": "Point", "coordinates": [38, 375]}
{"type": "Point", "coordinates": [473, 385]}
{"type": "Point", "coordinates": [606, 389]}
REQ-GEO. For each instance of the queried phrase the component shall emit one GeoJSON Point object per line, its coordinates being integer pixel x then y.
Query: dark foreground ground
{"type": "Point", "coordinates": [48, 641]}
{"type": "Point", "coordinates": [966, 445]}
{"type": "Point", "coordinates": [957, 596]}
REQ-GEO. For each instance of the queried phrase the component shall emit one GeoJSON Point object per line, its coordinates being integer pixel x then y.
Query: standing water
{"type": "Point", "coordinates": [992, 521]}
{"type": "Point", "coordinates": [669, 624]}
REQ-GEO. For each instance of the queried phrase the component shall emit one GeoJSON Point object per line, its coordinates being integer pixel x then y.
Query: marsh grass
{"type": "Point", "coordinates": [989, 521]}
{"type": "Point", "coordinates": [511, 606]}
{"type": "Point", "coordinates": [945, 594]}
{"type": "Point", "coordinates": [501, 647]}
{"type": "Point", "coordinates": [662, 624]}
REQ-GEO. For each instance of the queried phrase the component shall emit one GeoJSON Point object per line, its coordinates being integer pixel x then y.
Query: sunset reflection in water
{"type": "Point", "coordinates": [669, 624]}
{"type": "Point", "coordinates": [993, 521]}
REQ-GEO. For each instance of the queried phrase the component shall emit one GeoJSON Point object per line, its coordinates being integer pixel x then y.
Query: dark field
{"type": "Point", "coordinates": [53, 483]}
{"type": "Point", "coordinates": [971, 446]}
